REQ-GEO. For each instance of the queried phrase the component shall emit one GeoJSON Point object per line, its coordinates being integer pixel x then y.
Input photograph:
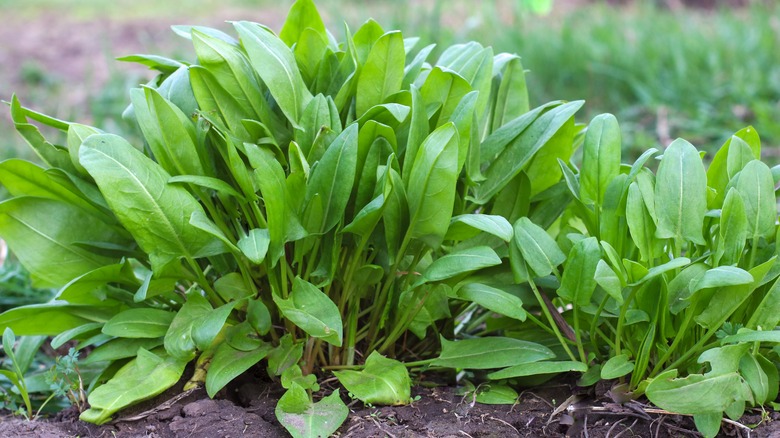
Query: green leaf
{"type": "Point", "coordinates": [382, 73]}
{"type": "Point", "coordinates": [538, 368]}
{"type": "Point", "coordinates": [179, 340]}
{"type": "Point", "coordinates": [51, 318]}
{"type": "Point", "coordinates": [491, 298]}
{"type": "Point", "coordinates": [302, 15]}
{"type": "Point", "coordinates": [468, 225]}
{"type": "Point", "coordinates": [382, 381]}
{"type": "Point", "coordinates": [617, 366]}
{"type": "Point", "coordinates": [431, 188]}
{"type": "Point", "coordinates": [276, 65]}
{"type": "Point", "coordinates": [767, 313]}
{"type": "Point", "coordinates": [139, 323]}
{"type": "Point", "coordinates": [312, 311]}
{"type": "Point", "coordinates": [121, 348]}
{"type": "Point", "coordinates": [717, 174]}
{"type": "Point", "coordinates": [579, 273]}
{"type": "Point", "coordinates": [600, 158]}
{"type": "Point", "coordinates": [456, 263]}
{"type": "Point", "coordinates": [747, 335]}
{"type": "Point", "coordinates": [229, 363]}
{"type": "Point", "coordinates": [207, 182]}
{"type": "Point", "coordinates": [640, 223]}
{"type": "Point", "coordinates": [539, 250]}
{"type": "Point", "coordinates": [142, 378]}
{"type": "Point", "coordinates": [732, 233]}
{"type": "Point", "coordinates": [209, 326]}
{"type": "Point", "coordinates": [47, 248]}
{"type": "Point", "coordinates": [681, 193]}
{"type": "Point", "coordinates": [512, 94]}
{"type": "Point", "coordinates": [304, 419]}
{"type": "Point", "coordinates": [489, 352]}
{"type": "Point", "coordinates": [285, 355]}
{"type": "Point", "coordinates": [333, 178]}
{"type": "Point", "coordinates": [496, 394]}
{"type": "Point", "coordinates": [255, 245]}
{"type": "Point", "coordinates": [156, 214]}
{"type": "Point", "coordinates": [722, 276]}
{"type": "Point", "coordinates": [606, 277]}
{"type": "Point", "coordinates": [231, 287]}
{"type": "Point", "coordinates": [756, 187]}
{"type": "Point", "coordinates": [519, 152]}
{"type": "Point", "coordinates": [258, 316]}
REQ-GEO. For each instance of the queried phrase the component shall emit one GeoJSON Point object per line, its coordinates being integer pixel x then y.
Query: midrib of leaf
{"type": "Point", "coordinates": [164, 217]}
{"type": "Point", "coordinates": [387, 383]}
{"type": "Point", "coordinates": [233, 71]}
{"type": "Point", "coordinates": [49, 238]}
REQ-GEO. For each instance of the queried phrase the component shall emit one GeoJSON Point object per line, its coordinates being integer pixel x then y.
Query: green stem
{"type": "Point", "coordinates": [580, 348]}
{"type": "Point", "coordinates": [550, 319]}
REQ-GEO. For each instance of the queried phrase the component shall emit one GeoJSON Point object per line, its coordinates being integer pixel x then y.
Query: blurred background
{"type": "Point", "coordinates": [698, 69]}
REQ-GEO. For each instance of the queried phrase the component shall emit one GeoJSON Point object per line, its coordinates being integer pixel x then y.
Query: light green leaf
{"type": "Point", "coordinates": [469, 225]}
{"type": "Point", "coordinates": [382, 73]}
{"type": "Point", "coordinates": [733, 230]}
{"type": "Point", "coordinates": [304, 419]}
{"type": "Point", "coordinates": [617, 366]}
{"type": "Point", "coordinates": [276, 65]}
{"type": "Point", "coordinates": [156, 214]}
{"type": "Point", "coordinates": [431, 188]}
{"type": "Point", "coordinates": [537, 368]}
{"type": "Point", "coordinates": [579, 273]}
{"type": "Point", "coordinates": [756, 187]}
{"type": "Point", "coordinates": [490, 352]}
{"type": "Point", "coordinates": [600, 158]}
{"type": "Point", "coordinates": [179, 340]}
{"type": "Point", "coordinates": [539, 250]}
{"type": "Point", "coordinates": [229, 363]}
{"type": "Point", "coordinates": [142, 378]}
{"type": "Point", "coordinates": [382, 381]}
{"type": "Point", "coordinates": [491, 298]}
{"type": "Point", "coordinates": [284, 355]}
{"type": "Point", "coordinates": [512, 95]}
{"type": "Point", "coordinates": [311, 310]}
{"type": "Point", "coordinates": [456, 263]}
{"type": "Point", "coordinates": [302, 15]}
{"type": "Point", "coordinates": [255, 245]}
{"type": "Point", "coordinates": [609, 281]}
{"type": "Point", "coordinates": [496, 394]}
{"type": "Point", "coordinates": [121, 348]}
{"type": "Point", "coordinates": [722, 276]}
{"type": "Point", "coordinates": [681, 193]}
{"type": "Point", "coordinates": [139, 323]}
{"type": "Point", "coordinates": [52, 318]}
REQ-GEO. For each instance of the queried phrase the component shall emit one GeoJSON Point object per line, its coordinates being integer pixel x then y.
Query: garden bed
{"type": "Point", "coordinates": [246, 408]}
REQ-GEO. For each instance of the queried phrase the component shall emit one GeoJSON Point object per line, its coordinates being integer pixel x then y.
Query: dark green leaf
{"type": "Point", "coordinates": [382, 381]}
{"type": "Point", "coordinates": [490, 352]}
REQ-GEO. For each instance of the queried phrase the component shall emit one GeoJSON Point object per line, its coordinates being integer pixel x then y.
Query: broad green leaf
{"type": "Point", "coordinates": [229, 363]}
{"type": "Point", "coordinates": [442, 92]}
{"type": "Point", "coordinates": [317, 115]}
{"type": "Point", "coordinates": [767, 313]}
{"type": "Point", "coordinates": [543, 171]}
{"type": "Point", "coordinates": [640, 223]}
{"type": "Point", "coordinates": [78, 332]}
{"type": "Point", "coordinates": [121, 348]}
{"type": "Point", "coordinates": [756, 378]}
{"type": "Point", "coordinates": [258, 316]}
{"type": "Point", "coordinates": [294, 375]}
{"type": "Point", "coordinates": [756, 188]}
{"type": "Point", "coordinates": [302, 15]}
{"type": "Point", "coordinates": [496, 394]}
{"type": "Point", "coordinates": [617, 366]}
{"type": "Point", "coordinates": [722, 276]}
{"type": "Point", "coordinates": [497, 141]}
{"type": "Point", "coordinates": [490, 352]}
{"type": "Point", "coordinates": [333, 179]}
{"type": "Point", "coordinates": [206, 330]}
{"type": "Point", "coordinates": [474, 63]}
{"type": "Point", "coordinates": [519, 152]}
{"type": "Point", "coordinates": [382, 381]}
{"type": "Point", "coordinates": [708, 424]}
{"type": "Point", "coordinates": [493, 299]}
{"type": "Point", "coordinates": [312, 311]}
{"type": "Point", "coordinates": [382, 73]}
{"type": "Point", "coordinates": [726, 300]}
{"type": "Point", "coordinates": [285, 355]}
{"type": "Point", "coordinates": [600, 158]}
{"type": "Point", "coordinates": [681, 193]}
{"type": "Point", "coordinates": [48, 248]}
{"type": "Point", "coordinates": [606, 277]}
{"type": "Point", "coordinates": [717, 174]}
{"type": "Point", "coordinates": [456, 263]}
{"type": "Point", "coordinates": [539, 250]}
{"type": "Point", "coordinates": [732, 233]}
{"type": "Point", "coordinates": [52, 318]}
{"type": "Point", "coordinates": [739, 155]}
{"type": "Point", "coordinates": [538, 368]}
{"type": "Point", "coordinates": [241, 337]}
{"type": "Point", "coordinates": [179, 340]}
{"type": "Point", "coordinates": [431, 189]}
{"type": "Point", "coordinates": [53, 155]}
{"type": "Point", "coordinates": [655, 271]}
{"type": "Point", "coordinates": [695, 394]}
{"type": "Point", "coordinates": [512, 95]}
{"type": "Point", "coordinates": [154, 62]}
{"type": "Point", "coordinates": [255, 245]}
{"type": "Point", "coordinates": [142, 378]}
{"type": "Point", "coordinates": [139, 323]}
{"type": "Point", "coordinates": [231, 287]}
{"type": "Point", "coordinates": [201, 221]}
{"type": "Point", "coordinates": [364, 39]}
{"type": "Point", "coordinates": [412, 69]}
{"type": "Point", "coordinates": [747, 335]}
{"type": "Point", "coordinates": [469, 225]}
{"type": "Point", "coordinates": [304, 419]}
{"type": "Point", "coordinates": [276, 65]}
{"type": "Point", "coordinates": [579, 273]}
{"type": "Point", "coordinates": [156, 214]}
{"type": "Point", "coordinates": [680, 287]}
{"type": "Point", "coordinates": [418, 131]}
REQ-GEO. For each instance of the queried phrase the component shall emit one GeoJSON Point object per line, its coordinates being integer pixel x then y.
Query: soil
{"type": "Point", "coordinates": [246, 408]}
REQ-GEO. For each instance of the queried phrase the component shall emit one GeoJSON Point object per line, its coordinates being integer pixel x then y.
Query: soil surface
{"type": "Point", "coordinates": [246, 409]}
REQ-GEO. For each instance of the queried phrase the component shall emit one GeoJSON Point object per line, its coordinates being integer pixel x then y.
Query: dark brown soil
{"type": "Point", "coordinates": [247, 409]}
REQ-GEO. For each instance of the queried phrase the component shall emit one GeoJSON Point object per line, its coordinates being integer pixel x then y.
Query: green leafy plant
{"type": "Point", "coordinates": [307, 202]}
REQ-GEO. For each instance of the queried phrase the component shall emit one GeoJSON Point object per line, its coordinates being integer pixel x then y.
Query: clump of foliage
{"type": "Point", "coordinates": [318, 205]}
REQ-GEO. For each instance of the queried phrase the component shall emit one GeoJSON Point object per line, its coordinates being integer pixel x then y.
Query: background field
{"type": "Point", "coordinates": [665, 70]}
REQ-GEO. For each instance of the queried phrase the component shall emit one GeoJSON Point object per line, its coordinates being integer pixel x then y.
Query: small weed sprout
{"type": "Point", "coordinates": [65, 380]}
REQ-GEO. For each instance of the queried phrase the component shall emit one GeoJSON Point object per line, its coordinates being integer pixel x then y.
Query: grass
{"type": "Point", "coordinates": [696, 74]}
